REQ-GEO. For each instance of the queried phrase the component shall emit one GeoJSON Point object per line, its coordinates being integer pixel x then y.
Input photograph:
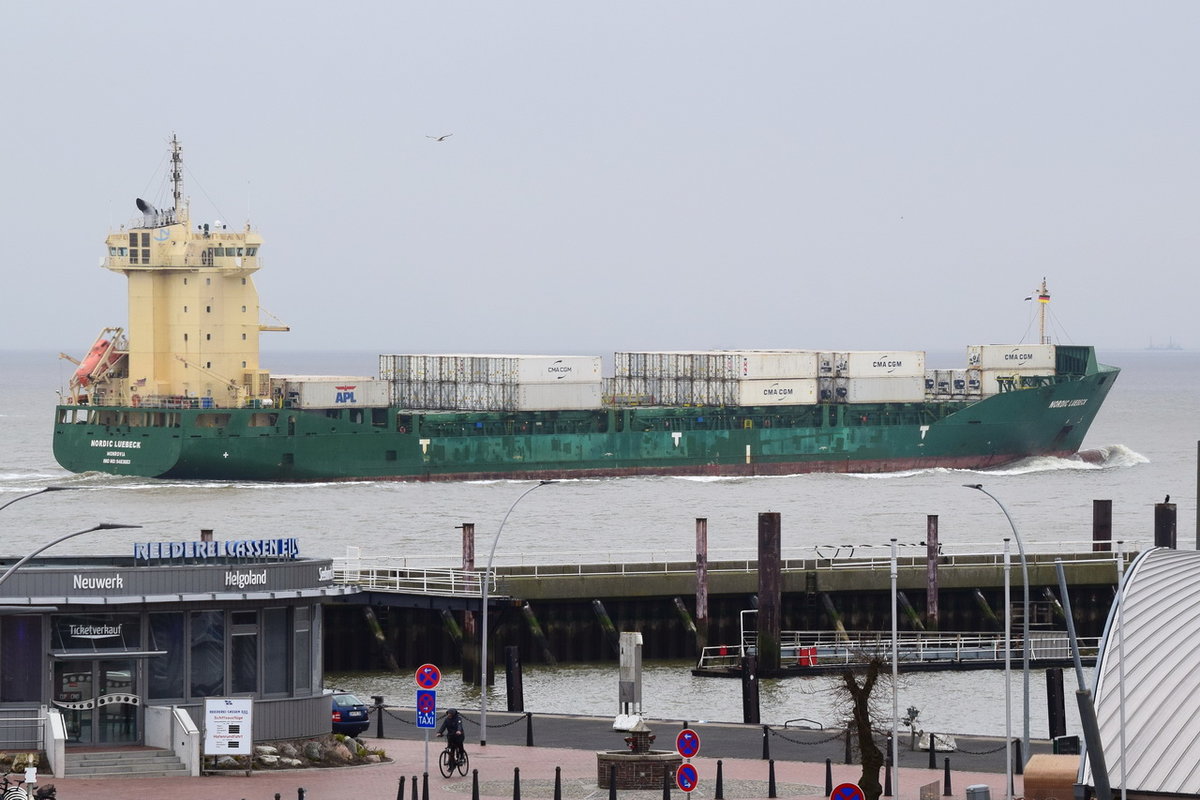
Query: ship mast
{"type": "Point", "coordinates": [1043, 297]}
{"type": "Point", "coordinates": [177, 175]}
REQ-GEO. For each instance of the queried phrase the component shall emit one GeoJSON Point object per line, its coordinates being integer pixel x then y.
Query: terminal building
{"type": "Point", "coordinates": [105, 651]}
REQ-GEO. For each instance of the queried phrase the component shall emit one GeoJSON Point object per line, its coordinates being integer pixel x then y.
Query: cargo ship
{"type": "Point", "coordinates": [180, 393]}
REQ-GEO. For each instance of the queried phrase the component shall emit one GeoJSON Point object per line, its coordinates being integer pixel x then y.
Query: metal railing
{"type": "Point", "coordinates": [418, 574]}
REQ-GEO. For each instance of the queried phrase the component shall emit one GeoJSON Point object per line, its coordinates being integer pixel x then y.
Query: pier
{"type": "Point", "coordinates": [553, 607]}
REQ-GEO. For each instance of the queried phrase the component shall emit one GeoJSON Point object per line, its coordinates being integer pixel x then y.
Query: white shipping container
{"type": "Point", "coordinates": [879, 363]}
{"type": "Point", "coordinates": [559, 369]}
{"type": "Point", "coordinates": [792, 392]}
{"type": "Point", "coordinates": [557, 396]}
{"type": "Point", "coordinates": [883, 390]}
{"type": "Point", "coordinates": [490, 369]}
{"type": "Point", "coordinates": [337, 393]}
{"type": "Point", "coordinates": [1012, 356]}
{"type": "Point", "coordinates": [774, 365]}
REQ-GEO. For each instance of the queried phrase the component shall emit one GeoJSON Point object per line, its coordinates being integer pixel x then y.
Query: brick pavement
{"type": "Point", "coordinates": [743, 778]}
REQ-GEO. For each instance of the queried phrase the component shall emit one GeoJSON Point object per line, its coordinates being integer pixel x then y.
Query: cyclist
{"type": "Point", "coordinates": [452, 724]}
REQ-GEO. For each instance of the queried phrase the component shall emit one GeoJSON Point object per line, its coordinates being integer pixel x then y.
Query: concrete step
{"type": "Point", "coordinates": [132, 763]}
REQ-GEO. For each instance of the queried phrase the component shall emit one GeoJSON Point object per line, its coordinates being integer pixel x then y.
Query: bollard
{"type": "Point", "coordinates": [887, 779]}
{"type": "Point", "coordinates": [766, 743]}
{"type": "Point", "coordinates": [771, 779]}
{"type": "Point", "coordinates": [612, 782]}
{"type": "Point", "coordinates": [829, 777]}
{"type": "Point", "coordinates": [666, 784]}
{"type": "Point", "coordinates": [719, 794]}
{"type": "Point", "coordinates": [424, 786]}
{"type": "Point", "coordinates": [933, 751]}
{"type": "Point", "coordinates": [300, 793]}
{"type": "Point", "coordinates": [414, 788]}
{"type": "Point", "coordinates": [558, 783]}
{"type": "Point", "coordinates": [399, 791]}
{"type": "Point", "coordinates": [847, 761]}
{"type": "Point", "coordinates": [378, 698]}
{"type": "Point", "coordinates": [946, 781]}
{"type": "Point", "coordinates": [529, 729]}
{"type": "Point", "coordinates": [1019, 766]}
{"type": "Point", "coordinates": [516, 783]}
{"type": "Point", "coordinates": [474, 784]}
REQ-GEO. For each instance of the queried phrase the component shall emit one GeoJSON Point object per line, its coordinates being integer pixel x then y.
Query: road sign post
{"type": "Point", "coordinates": [428, 677]}
{"type": "Point", "coordinates": [687, 744]}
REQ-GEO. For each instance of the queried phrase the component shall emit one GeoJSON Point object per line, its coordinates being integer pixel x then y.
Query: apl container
{"type": "Point", "coordinates": [346, 392]}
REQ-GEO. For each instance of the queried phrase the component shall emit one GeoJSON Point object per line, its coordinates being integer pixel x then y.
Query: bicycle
{"type": "Point", "coordinates": [12, 790]}
{"type": "Point", "coordinates": [450, 760]}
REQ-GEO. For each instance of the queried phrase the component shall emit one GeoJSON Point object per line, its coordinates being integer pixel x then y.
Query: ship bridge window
{"type": "Point", "coordinates": [250, 251]}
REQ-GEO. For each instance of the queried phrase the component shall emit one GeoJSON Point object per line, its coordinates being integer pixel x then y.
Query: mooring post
{"type": "Point", "coordinates": [770, 591]}
{"type": "Point", "coordinates": [702, 583]}
{"type": "Point", "coordinates": [750, 690]}
{"type": "Point", "coordinates": [1101, 526]}
{"type": "Point", "coordinates": [512, 679]}
{"type": "Point", "coordinates": [931, 571]}
{"type": "Point", "coordinates": [470, 635]}
{"type": "Point", "coordinates": [1164, 524]}
{"type": "Point", "coordinates": [378, 698]}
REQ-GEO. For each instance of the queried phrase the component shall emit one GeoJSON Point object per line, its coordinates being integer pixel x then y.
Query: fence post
{"type": "Point", "coordinates": [529, 729]}
{"type": "Point", "coordinates": [378, 698]}
{"type": "Point", "coordinates": [766, 743]}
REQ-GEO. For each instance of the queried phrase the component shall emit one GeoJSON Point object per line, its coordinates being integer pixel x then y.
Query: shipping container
{"type": "Point", "coordinates": [880, 363]}
{"type": "Point", "coordinates": [882, 390]}
{"type": "Point", "coordinates": [557, 396]}
{"type": "Point", "coordinates": [1012, 356]}
{"type": "Point", "coordinates": [776, 365]}
{"type": "Point", "coordinates": [796, 391]}
{"type": "Point", "coordinates": [490, 369]}
{"type": "Point", "coordinates": [336, 393]}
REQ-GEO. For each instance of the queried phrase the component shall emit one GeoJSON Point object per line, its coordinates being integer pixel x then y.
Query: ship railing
{"type": "Point", "coordinates": [826, 648]}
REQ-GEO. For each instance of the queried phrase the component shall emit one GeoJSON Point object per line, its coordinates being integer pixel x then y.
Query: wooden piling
{"type": "Point", "coordinates": [535, 628]}
{"type": "Point", "coordinates": [913, 617]}
{"type": "Point", "coordinates": [1101, 526]}
{"type": "Point", "coordinates": [470, 633]}
{"type": "Point", "coordinates": [381, 641]}
{"type": "Point", "coordinates": [1164, 524]}
{"type": "Point", "coordinates": [931, 571]}
{"type": "Point", "coordinates": [701, 584]}
{"type": "Point", "coordinates": [834, 617]}
{"type": "Point", "coordinates": [513, 684]}
{"type": "Point", "coordinates": [770, 592]}
{"type": "Point", "coordinates": [610, 631]}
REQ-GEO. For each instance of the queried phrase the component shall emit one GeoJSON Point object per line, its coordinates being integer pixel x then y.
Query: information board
{"type": "Point", "coordinates": [228, 726]}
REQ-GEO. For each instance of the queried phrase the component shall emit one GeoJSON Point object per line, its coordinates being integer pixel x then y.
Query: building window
{"type": "Point", "coordinates": [302, 650]}
{"type": "Point", "coordinates": [208, 337]}
{"type": "Point", "coordinates": [21, 651]}
{"type": "Point", "coordinates": [243, 675]}
{"type": "Point", "coordinates": [208, 309]}
{"type": "Point", "coordinates": [208, 281]}
{"type": "Point", "coordinates": [276, 660]}
{"type": "Point", "coordinates": [166, 671]}
{"type": "Point", "coordinates": [208, 653]}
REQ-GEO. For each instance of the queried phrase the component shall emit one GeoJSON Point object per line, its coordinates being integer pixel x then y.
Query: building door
{"type": "Point", "coordinates": [98, 701]}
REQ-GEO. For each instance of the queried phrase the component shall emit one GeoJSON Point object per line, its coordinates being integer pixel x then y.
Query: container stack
{"type": "Point", "coordinates": [766, 377]}
{"type": "Point", "coordinates": [470, 382]}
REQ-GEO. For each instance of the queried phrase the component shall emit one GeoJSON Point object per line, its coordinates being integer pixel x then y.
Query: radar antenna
{"type": "Point", "coordinates": [1043, 297]}
{"type": "Point", "coordinates": [176, 172]}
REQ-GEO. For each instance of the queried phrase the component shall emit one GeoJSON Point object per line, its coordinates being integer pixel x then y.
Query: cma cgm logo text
{"type": "Point", "coordinates": [345, 394]}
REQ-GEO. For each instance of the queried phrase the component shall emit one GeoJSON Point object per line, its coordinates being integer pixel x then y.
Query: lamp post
{"type": "Point", "coordinates": [1024, 614]}
{"type": "Point", "coordinates": [103, 526]}
{"type": "Point", "coordinates": [35, 494]}
{"type": "Point", "coordinates": [483, 648]}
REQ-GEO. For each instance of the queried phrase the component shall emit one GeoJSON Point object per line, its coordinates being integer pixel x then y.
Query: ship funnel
{"type": "Point", "coordinates": [149, 213]}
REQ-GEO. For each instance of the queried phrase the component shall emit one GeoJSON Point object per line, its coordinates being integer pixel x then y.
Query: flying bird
{"type": "Point", "coordinates": [441, 138]}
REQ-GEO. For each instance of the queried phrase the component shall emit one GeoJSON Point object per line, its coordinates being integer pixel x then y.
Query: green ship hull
{"type": "Point", "coordinates": [298, 445]}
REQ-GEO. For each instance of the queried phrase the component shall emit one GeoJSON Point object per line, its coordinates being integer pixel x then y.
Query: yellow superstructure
{"type": "Point", "coordinates": [193, 309]}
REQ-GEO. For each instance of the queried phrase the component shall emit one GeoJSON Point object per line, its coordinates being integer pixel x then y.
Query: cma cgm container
{"type": "Point", "coordinates": [875, 364]}
{"type": "Point", "coordinates": [1012, 356]}
{"type": "Point", "coordinates": [492, 369]}
{"type": "Point", "coordinates": [797, 391]}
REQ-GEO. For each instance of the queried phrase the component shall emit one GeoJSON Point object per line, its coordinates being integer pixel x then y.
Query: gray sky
{"type": "Point", "coordinates": [621, 176]}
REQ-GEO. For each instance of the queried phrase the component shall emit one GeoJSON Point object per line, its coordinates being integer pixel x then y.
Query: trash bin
{"type": "Point", "coordinates": [979, 791]}
{"type": "Point", "coordinates": [1066, 745]}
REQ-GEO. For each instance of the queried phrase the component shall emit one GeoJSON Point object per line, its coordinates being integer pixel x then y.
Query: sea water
{"type": "Point", "coordinates": [1146, 436]}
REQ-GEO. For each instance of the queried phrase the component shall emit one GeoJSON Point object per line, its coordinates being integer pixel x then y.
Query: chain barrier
{"type": "Point", "coordinates": [962, 749]}
{"type": "Point", "coordinates": [505, 725]}
{"type": "Point", "coordinates": [396, 716]}
{"type": "Point", "coordinates": [837, 735]}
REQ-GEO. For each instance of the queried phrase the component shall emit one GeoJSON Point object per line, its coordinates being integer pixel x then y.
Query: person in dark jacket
{"type": "Point", "coordinates": [452, 728]}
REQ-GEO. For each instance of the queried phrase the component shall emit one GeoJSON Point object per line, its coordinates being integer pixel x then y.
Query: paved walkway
{"type": "Point", "coordinates": [496, 764]}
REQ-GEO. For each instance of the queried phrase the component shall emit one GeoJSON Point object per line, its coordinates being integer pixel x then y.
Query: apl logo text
{"type": "Point", "coordinates": [345, 394]}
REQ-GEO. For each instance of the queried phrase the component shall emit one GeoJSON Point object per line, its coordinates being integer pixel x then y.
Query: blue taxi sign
{"type": "Point", "coordinates": [426, 708]}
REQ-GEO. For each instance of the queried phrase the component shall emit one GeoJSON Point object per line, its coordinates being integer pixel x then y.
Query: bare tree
{"type": "Point", "coordinates": [862, 720]}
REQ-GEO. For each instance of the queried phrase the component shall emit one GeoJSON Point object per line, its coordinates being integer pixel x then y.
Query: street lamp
{"type": "Point", "coordinates": [483, 650]}
{"type": "Point", "coordinates": [103, 526]}
{"type": "Point", "coordinates": [1024, 615]}
{"type": "Point", "coordinates": [35, 494]}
